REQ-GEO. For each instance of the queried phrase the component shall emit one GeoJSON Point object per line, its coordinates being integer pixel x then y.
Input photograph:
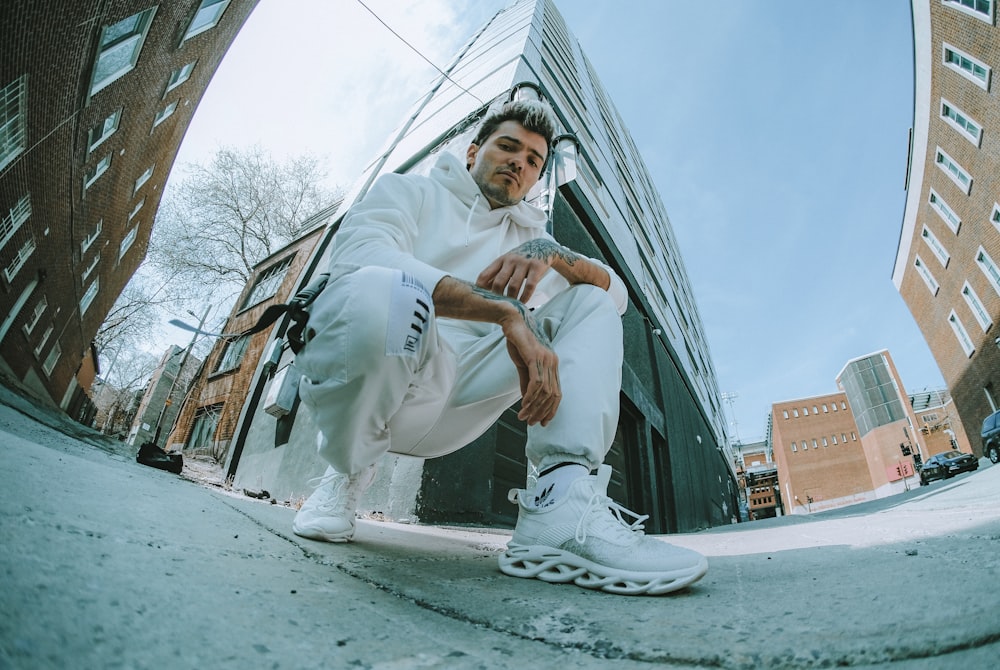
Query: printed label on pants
{"type": "Point", "coordinates": [409, 316]}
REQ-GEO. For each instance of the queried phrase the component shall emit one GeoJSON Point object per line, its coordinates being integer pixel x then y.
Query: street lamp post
{"type": "Point", "coordinates": [180, 371]}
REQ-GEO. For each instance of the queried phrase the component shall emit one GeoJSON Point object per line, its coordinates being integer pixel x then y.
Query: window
{"type": "Point", "coordinates": [11, 222]}
{"type": "Point", "coordinates": [953, 170]}
{"type": "Point", "coordinates": [826, 410]}
{"type": "Point", "coordinates": [89, 296]}
{"type": "Point", "coordinates": [90, 268]}
{"type": "Point", "coordinates": [87, 241]}
{"type": "Point", "coordinates": [981, 9]}
{"type": "Point", "coordinates": [976, 305]}
{"type": "Point", "coordinates": [854, 437]}
{"type": "Point", "coordinates": [267, 283]}
{"type": "Point", "coordinates": [91, 176]}
{"type": "Point", "coordinates": [958, 120]}
{"type": "Point", "coordinates": [961, 334]}
{"type": "Point", "coordinates": [164, 113]}
{"type": "Point", "coordinates": [179, 76]}
{"type": "Point", "coordinates": [805, 447]}
{"type": "Point", "coordinates": [13, 110]}
{"type": "Point", "coordinates": [834, 405]}
{"type": "Point", "coordinates": [135, 210]}
{"type": "Point", "coordinates": [967, 66]}
{"type": "Point", "coordinates": [794, 447]}
{"type": "Point", "coordinates": [945, 212]}
{"type": "Point", "coordinates": [50, 361]}
{"type": "Point", "coordinates": [989, 268]}
{"type": "Point", "coordinates": [36, 315]}
{"type": "Point", "coordinates": [936, 247]}
{"type": "Point", "coordinates": [825, 443]}
{"type": "Point", "coordinates": [785, 412]}
{"type": "Point", "coordinates": [143, 178]}
{"type": "Point", "coordinates": [19, 259]}
{"type": "Point", "coordinates": [843, 438]}
{"type": "Point", "coordinates": [127, 242]}
{"type": "Point", "coordinates": [206, 17]}
{"type": "Point", "coordinates": [815, 444]}
{"type": "Point", "coordinates": [926, 275]}
{"type": "Point", "coordinates": [805, 411]}
{"type": "Point", "coordinates": [995, 217]}
{"type": "Point", "coordinates": [203, 430]}
{"type": "Point", "coordinates": [119, 48]}
{"type": "Point", "coordinates": [103, 131]}
{"type": "Point", "coordinates": [815, 409]}
{"type": "Point", "coordinates": [233, 354]}
{"type": "Point", "coordinates": [843, 405]}
{"type": "Point", "coordinates": [834, 438]}
{"type": "Point", "coordinates": [44, 340]}
{"type": "Point", "coordinates": [795, 413]}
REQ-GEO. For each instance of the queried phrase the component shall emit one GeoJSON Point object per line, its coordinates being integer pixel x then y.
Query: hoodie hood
{"type": "Point", "coordinates": [451, 172]}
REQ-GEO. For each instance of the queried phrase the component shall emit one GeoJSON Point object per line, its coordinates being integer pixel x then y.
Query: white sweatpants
{"type": "Point", "coordinates": [383, 374]}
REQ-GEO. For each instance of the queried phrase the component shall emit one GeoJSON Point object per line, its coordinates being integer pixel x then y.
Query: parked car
{"type": "Point", "coordinates": [991, 437]}
{"type": "Point", "coordinates": [948, 464]}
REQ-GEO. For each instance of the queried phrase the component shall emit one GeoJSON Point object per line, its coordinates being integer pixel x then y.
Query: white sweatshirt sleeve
{"type": "Point", "coordinates": [381, 229]}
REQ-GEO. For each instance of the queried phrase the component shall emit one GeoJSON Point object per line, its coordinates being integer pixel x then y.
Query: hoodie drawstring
{"type": "Point", "coordinates": [468, 219]}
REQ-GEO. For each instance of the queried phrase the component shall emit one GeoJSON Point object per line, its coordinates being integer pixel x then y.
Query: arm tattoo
{"type": "Point", "coordinates": [525, 313]}
{"type": "Point", "coordinates": [542, 248]}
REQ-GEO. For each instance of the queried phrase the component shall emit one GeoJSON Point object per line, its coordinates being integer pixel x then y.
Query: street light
{"type": "Point", "coordinates": [180, 371]}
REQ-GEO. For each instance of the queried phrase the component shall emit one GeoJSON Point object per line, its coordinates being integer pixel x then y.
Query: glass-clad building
{"type": "Point", "coordinates": [670, 455]}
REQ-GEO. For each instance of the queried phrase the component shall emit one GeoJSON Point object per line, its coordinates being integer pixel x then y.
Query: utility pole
{"type": "Point", "coordinates": [180, 371]}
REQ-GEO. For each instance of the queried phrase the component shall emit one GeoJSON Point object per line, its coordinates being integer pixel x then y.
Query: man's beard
{"type": "Point", "coordinates": [498, 193]}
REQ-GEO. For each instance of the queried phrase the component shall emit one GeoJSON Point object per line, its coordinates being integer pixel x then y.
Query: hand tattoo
{"type": "Point", "coordinates": [546, 249]}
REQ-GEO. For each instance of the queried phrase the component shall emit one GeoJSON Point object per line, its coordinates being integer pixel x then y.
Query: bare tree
{"type": "Point", "coordinates": [226, 216]}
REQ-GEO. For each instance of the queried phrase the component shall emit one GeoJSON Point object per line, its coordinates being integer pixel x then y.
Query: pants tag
{"type": "Point", "coordinates": [409, 317]}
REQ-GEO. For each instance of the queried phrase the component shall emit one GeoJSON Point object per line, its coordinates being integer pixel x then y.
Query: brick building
{"type": "Point", "coordinates": [947, 267]}
{"type": "Point", "coordinates": [95, 98]}
{"type": "Point", "coordinates": [210, 417]}
{"type": "Point", "coordinates": [938, 424]}
{"type": "Point", "coordinates": [757, 474]}
{"type": "Point", "coordinates": [864, 442]}
{"type": "Point", "coordinates": [817, 449]}
{"type": "Point", "coordinates": [163, 396]}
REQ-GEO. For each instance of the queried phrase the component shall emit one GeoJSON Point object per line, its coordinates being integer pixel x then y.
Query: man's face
{"type": "Point", "coordinates": [507, 164]}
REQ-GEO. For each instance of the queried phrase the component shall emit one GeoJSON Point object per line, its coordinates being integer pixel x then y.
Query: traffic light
{"type": "Point", "coordinates": [905, 448]}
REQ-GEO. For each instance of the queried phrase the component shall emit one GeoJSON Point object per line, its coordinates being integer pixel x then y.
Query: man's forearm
{"type": "Point", "coordinates": [575, 268]}
{"type": "Point", "coordinates": [456, 299]}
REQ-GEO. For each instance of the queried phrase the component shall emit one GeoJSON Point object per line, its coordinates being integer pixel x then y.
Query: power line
{"type": "Point", "coordinates": [417, 51]}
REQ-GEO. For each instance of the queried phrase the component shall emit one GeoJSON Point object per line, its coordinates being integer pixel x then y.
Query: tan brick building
{"type": "Point", "coordinates": [947, 268]}
{"type": "Point", "coordinates": [209, 419]}
{"type": "Point", "coordinates": [819, 455]}
{"type": "Point", "coordinates": [95, 97]}
{"type": "Point", "coordinates": [864, 442]}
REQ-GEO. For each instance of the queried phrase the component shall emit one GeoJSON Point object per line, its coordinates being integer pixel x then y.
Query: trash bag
{"type": "Point", "coordinates": [155, 457]}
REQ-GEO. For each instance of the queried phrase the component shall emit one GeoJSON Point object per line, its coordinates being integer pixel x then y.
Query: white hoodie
{"type": "Point", "coordinates": [442, 225]}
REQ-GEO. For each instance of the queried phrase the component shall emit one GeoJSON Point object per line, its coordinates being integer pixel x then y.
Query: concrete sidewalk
{"type": "Point", "coordinates": [107, 563]}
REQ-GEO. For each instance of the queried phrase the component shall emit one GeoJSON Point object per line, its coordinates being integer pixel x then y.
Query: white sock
{"type": "Point", "coordinates": [553, 484]}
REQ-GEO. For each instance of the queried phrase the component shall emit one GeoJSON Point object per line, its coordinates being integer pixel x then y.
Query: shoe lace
{"type": "Point", "coordinates": [334, 500]}
{"type": "Point", "coordinates": [613, 522]}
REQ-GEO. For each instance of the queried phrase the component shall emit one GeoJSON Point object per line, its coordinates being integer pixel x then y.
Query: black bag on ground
{"type": "Point", "coordinates": [151, 455]}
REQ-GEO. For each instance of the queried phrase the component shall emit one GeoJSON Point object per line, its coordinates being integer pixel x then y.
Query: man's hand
{"type": "Point", "coordinates": [527, 345]}
{"type": "Point", "coordinates": [537, 367]}
{"type": "Point", "coordinates": [516, 273]}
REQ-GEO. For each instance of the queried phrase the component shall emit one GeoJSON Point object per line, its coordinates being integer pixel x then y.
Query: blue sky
{"type": "Point", "coordinates": [775, 131]}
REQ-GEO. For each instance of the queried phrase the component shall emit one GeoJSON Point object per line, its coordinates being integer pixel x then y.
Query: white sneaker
{"type": "Point", "coordinates": [328, 514]}
{"type": "Point", "coordinates": [582, 538]}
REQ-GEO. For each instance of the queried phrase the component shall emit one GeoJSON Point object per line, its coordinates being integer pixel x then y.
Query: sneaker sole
{"type": "Point", "coordinates": [314, 534]}
{"type": "Point", "coordinates": [560, 567]}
